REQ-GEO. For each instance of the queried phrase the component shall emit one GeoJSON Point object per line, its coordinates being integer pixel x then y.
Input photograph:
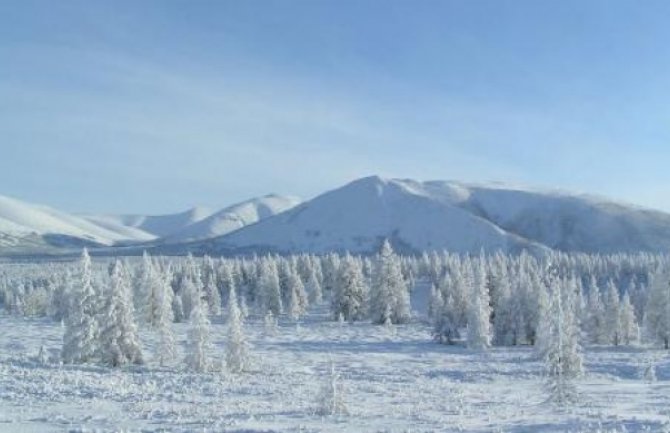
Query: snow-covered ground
{"type": "Point", "coordinates": [395, 380]}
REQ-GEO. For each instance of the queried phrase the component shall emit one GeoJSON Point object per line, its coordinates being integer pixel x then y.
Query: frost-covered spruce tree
{"type": "Point", "coordinates": [628, 330]}
{"type": "Point", "coordinates": [389, 293]}
{"type": "Point", "coordinates": [270, 291]}
{"type": "Point", "coordinates": [197, 343]}
{"type": "Point", "coordinates": [504, 313]}
{"type": "Point", "coordinates": [212, 295]}
{"type": "Point", "coordinates": [81, 326]}
{"type": "Point", "coordinates": [563, 360]}
{"type": "Point", "coordinates": [612, 313]}
{"type": "Point", "coordinates": [119, 342]}
{"type": "Point", "coordinates": [298, 302]}
{"type": "Point", "coordinates": [657, 312]}
{"type": "Point", "coordinates": [435, 303]}
{"type": "Point", "coordinates": [191, 294]}
{"type": "Point", "coordinates": [146, 284]}
{"type": "Point", "coordinates": [313, 288]}
{"type": "Point", "coordinates": [166, 348]}
{"type": "Point", "coordinates": [479, 311]}
{"type": "Point", "coordinates": [595, 324]}
{"type": "Point", "coordinates": [350, 291]}
{"type": "Point", "coordinates": [237, 349]}
{"type": "Point", "coordinates": [60, 299]}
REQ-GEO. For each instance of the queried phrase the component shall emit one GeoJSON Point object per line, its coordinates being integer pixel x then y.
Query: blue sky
{"type": "Point", "coordinates": [144, 106]}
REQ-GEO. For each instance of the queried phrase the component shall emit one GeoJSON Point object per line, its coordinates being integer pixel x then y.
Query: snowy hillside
{"type": "Point", "coordinates": [153, 226]}
{"type": "Point", "coordinates": [459, 217]}
{"type": "Point", "coordinates": [20, 220]}
{"type": "Point", "coordinates": [233, 218]}
{"type": "Point", "coordinates": [359, 215]}
{"type": "Point", "coordinates": [416, 216]}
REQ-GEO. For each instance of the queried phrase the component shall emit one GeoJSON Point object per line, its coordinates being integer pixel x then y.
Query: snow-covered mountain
{"type": "Point", "coordinates": [27, 228]}
{"type": "Point", "coordinates": [416, 216]}
{"type": "Point", "coordinates": [41, 226]}
{"type": "Point", "coordinates": [152, 226]}
{"type": "Point", "coordinates": [233, 218]}
{"type": "Point", "coordinates": [459, 217]}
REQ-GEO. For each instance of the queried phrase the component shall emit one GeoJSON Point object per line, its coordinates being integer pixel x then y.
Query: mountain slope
{"type": "Point", "coordinates": [359, 215]}
{"type": "Point", "coordinates": [21, 220]}
{"type": "Point", "coordinates": [572, 222]}
{"type": "Point", "coordinates": [153, 226]}
{"type": "Point", "coordinates": [233, 218]}
{"type": "Point", "coordinates": [456, 216]}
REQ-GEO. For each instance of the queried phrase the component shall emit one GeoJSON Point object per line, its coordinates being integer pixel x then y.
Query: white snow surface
{"type": "Point", "coordinates": [394, 380]}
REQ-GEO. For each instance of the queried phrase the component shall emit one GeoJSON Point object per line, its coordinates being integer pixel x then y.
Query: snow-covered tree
{"type": "Point", "coordinates": [628, 330]}
{"type": "Point", "coordinates": [657, 312]}
{"type": "Point", "coordinates": [350, 291]}
{"type": "Point", "coordinates": [212, 295]}
{"type": "Point", "coordinates": [435, 303]}
{"type": "Point", "coordinates": [147, 283]}
{"type": "Point", "coordinates": [479, 311]}
{"type": "Point", "coordinates": [81, 330]}
{"type": "Point", "coordinates": [313, 288]}
{"type": "Point", "coordinates": [198, 344]}
{"type": "Point", "coordinates": [297, 301]}
{"type": "Point", "coordinates": [595, 324]}
{"type": "Point", "coordinates": [612, 313]}
{"type": "Point", "coordinates": [237, 349]}
{"type": "Point", "coordinates": [562, 355]}
{"type": "Point", "coordinates": [270, 290]}
{"type": "Point", "coordinates": [119, 341]}
{"type": "Point", "coordinates": [166, 348]}
{"type": "Point", "coordinates": [389, 294]}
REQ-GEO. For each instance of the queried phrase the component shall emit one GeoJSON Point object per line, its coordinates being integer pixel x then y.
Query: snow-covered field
{"type": "Point", "coordinates": [395, 380]}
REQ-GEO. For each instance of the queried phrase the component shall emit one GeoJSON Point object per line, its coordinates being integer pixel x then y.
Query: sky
{"type": "Point", "coordinates": [157, 106]}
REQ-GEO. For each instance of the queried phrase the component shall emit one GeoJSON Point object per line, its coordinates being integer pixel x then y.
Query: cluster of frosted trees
{"type": "Point", "coordinates": [503, 300]}
{"type": "Point", "coordinates": [478, 301]}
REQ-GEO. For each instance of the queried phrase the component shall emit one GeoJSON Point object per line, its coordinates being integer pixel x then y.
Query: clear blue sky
{"type": "Point", "coordinates": [142, 106]}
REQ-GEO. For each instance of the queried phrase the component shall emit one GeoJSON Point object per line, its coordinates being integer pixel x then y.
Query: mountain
{"type": "Point", "coordinates": [416, 216]}
{"type": "Point", "coordinates": [37, 226]}
{"type": "Point", "coordinates": [459, 217]}
{"type": "Point", "coordinates": [153, 226]}
{"type": "Point", "coordinates": [359, 215]}
{"type": "Point", "coordinates": [232, 218]}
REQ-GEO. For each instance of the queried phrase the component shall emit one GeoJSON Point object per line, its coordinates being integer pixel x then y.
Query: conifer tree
{"type": "Point", "coordinates": [237, 349]}
{"type": "Point", "coordinates": [119, 341]}
{"type": "Point", "coordinates": [562, 355]}
{"type": "Point", "coordinates": [389, 294]}
{"type": "Point", "coordinates": [81, 331]}
{"type": "Point", "coordinates": [198, 344]}
{"type": "Point", "coordinates": [479, 311]}
{"type": "Point", "coordinates": [657, 312]}
{"type": "Point", "coordinates": [628, 330]}
{"type": "Point", "coordinates": [612, 316]}
{"type": "Point", "coordinates": [167, 349]}
{"type": "Point", "coordinates": [270, 290]}
{"type": "Point", "coordinates": [350, 291]}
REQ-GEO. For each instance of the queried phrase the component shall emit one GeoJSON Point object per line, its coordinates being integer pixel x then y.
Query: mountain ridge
{"type": "Point", "coordinates": [416, 215]}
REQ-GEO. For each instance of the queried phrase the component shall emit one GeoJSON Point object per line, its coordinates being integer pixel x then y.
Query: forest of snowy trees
{"type": "Point", "coordinates": [556, 303]}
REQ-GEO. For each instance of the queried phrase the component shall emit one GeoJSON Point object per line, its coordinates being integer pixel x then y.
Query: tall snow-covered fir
{"type": "Point", "coordinates": [81, 339]}
{"type": "Point", "coordinates": [119, 340]}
